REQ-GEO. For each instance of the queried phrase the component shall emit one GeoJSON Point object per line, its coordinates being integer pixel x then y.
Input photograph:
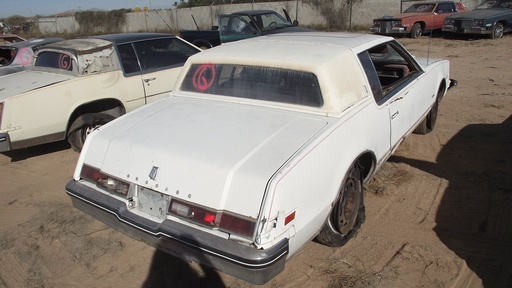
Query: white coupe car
{"type": "Point", "coordinates": [263, 145]}
{"type": "Point", "coordinates": [75, 85]}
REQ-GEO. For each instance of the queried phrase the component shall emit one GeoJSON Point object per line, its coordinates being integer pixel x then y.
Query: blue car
{"type": "Point", "coordinates": [492, 18]}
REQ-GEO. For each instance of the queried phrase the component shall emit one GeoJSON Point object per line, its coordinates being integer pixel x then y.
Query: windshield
{"type": "Point", "coordinates": [254, 82]}
{"type": "Point", "coordinates": [496, 4]}
{"type": "Point", "coordinates": [269, 21]}
{"type": "Point", "coordinates": [420, 8]}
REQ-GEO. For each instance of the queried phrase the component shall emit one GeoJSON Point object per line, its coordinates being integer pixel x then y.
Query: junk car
{"type": "Point", "coordinates": [492, 18]}
{"type": "Point", "coordinates": [260, 148]}
{"type": "Point", "coordinates": [78, 84]}
{"type": "Point", "coordinates": [417, 19]}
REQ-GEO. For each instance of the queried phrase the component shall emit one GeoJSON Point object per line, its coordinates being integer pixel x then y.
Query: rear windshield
{"type": "Point", "coordinates": [54, 60]}
{"type": "Point", "coordinates": [254, 82]}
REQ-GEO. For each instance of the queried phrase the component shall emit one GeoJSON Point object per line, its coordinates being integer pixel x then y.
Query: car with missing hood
{"type": "Point", "coordinates": [491, 17]}
{"type": "Point", "coordinates": [420, 17]}
{"type": "Point", "coordinates": [78, 84]}
{"type": "Point", "coordinates": [14, 57]}
{"type": "Point", "coordinates": [259, 148]}
{"type": "Point", "coordinates": [10, 38]}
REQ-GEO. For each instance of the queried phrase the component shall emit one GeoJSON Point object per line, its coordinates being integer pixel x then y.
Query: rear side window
{"type": "Point", "coordinates": [128, 58]}
{"type": "Point", "coordinates": [163, 53]}
{"type": "Point", "coordinates": [54, 60]}
{"type": "Point", "coordinates": [254, 82]}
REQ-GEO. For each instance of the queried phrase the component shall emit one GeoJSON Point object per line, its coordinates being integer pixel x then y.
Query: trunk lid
{"type": "Point", "coordinates": [217, 154]}
{"type": "Point", "coordinates": [24, 81]}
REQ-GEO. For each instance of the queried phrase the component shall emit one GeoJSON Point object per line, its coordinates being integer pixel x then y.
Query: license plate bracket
{"type": "Point", "coordinates": [153, 203]}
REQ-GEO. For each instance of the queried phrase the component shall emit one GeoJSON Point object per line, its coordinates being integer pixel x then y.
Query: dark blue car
{"type": "Point", "coordinates": [492, 17]}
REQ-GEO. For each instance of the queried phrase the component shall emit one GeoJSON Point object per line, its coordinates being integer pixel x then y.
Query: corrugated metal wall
{"type": "Point", "coordinates": [355, 13]}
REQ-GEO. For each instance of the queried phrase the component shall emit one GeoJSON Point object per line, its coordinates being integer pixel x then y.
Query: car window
{"type": "Point", "coordinates": [128, 58]}
{"type": "Point", "coordinates": [389, 69]}
{"type": "Point", "coordinates": [235, 25]}
{"type": "Point", "coordinates": [7, 55]}
{"type": "Point", "coordinates": [272, 20]}
{"type": "Point", "coordinates": [254, 82]}
{"type": "Point", "coordinates": [372, 76]}
{"type": "Point", "coordinates": [163, 53]}
{"type": "Point", "coordinates": [495, 4]}
{"type": "Point", "coordinates": [54, 60]}
{"type": "Point", "coordinates": [445, 8]}
{"type": "Point", "coordinates": [420, 8]}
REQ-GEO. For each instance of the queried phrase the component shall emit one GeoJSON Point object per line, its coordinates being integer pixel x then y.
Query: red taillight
{"type": "Point", "coordinates": [107, 182]}
{"type": "Point", "coordinates": [237, 225]}
{"type": "Point", "coordinates": [208, 217]}
{"type": "Point", "coordinates": [90, 173]}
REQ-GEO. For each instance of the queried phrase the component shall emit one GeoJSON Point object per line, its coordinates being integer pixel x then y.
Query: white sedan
{"type": "Point", "coordinates": [263, 145]}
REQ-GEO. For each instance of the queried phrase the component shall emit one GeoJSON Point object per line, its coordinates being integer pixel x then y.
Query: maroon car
{"type": "Point", "coordinates": [417, 19]}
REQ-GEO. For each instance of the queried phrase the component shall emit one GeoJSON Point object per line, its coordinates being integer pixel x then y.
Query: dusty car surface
{"type": "Point", "coordinates": [10, 38]}
{"type": "Point", "coordinates": [76, 85]}
{"type": "Point", "coordinates": [417, 19]}
{"type": "Point", "coordinates": [492, 18]}
{"type": "Point", "coordinates": [259, 148]}
{"type": "Point", "coordinates": [15, 56]}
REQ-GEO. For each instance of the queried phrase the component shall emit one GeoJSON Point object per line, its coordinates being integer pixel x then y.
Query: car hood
{"type": "Point", "coordinates": [28, 80]}
{"type": "Point", "coordinates": [216, 154]}
{"type": "Point", "coordinates": [404, 15]}
{"type": "Point", "coordinates": [480, 13]}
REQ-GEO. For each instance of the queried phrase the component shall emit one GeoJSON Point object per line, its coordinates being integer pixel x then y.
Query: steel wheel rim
{"type": "Point", "coordinates": [348, 208]}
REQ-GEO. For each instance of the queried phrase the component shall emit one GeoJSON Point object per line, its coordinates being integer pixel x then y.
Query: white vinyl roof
{"type": "Point", "coordinates": [308, 48]}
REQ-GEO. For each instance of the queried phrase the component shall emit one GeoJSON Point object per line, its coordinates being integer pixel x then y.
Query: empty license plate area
{"type": "Point", "coordinates": [153, 203]}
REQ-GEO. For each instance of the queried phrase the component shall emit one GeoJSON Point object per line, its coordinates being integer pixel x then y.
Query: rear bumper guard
{"type": "Point", "coordinates": [248, 263]}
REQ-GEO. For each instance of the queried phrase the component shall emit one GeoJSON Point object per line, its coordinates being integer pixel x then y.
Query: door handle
{"type": "Point", "coordinates": [394, 115]}
{"type": "Point", "coordinates": [149, 79]}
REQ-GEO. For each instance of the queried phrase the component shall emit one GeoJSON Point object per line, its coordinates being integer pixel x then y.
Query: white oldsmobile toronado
{"type": "Point", "coordinates": [263, 145]}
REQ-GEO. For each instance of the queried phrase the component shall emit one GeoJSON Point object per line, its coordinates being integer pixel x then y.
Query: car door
{"type": "Point", "coordinates": [442, 11]}
{"type": "Point", "coordinates": [160, 62]}
{"type": "Point", "coordinates": [396, 88]}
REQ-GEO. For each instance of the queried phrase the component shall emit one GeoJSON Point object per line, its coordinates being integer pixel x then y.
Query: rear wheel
{"type": "Point", "coordinates": [416, 30]}
{"type": "Point", "coordinates": [348, 213]}
{"type": "Point", "coordinates": [83, 126]}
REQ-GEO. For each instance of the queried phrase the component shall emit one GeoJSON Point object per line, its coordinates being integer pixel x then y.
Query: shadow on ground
{"type": "Point", "coordinates": [169, 271]}
{"type": "Point", "coordinates": [25, 153]}
{"type": "Point", "coordinates": [474, 218]}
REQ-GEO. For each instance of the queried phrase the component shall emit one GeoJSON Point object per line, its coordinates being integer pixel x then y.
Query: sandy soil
{"type": "Point", "coordinates": [439, 213]}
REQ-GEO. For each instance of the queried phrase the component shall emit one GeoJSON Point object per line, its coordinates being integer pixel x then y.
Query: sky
{"type": "Point", "coordinates": [30, 8]}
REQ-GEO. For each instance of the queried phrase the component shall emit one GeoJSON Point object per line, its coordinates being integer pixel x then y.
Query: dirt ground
{"type": "Point", "coordinates": [439, 213]}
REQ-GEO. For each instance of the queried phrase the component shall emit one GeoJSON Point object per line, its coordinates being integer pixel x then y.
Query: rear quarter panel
{"type": "Point", "coordinates": [55, 103]}
{"type": "Point", "coordinates": [309, 184]}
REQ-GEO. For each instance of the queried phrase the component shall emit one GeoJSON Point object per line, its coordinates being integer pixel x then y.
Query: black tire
{"type": "Point", "coordinates": [429, 123]}
{"type": "Point", "coordinates": [83, 126]}
{"type": "Point", "coordinates": [348, 213]}
{"type": "Point", "coordinates": [416, 31]}
{"type": "Point", "coordinates": [497, 31]}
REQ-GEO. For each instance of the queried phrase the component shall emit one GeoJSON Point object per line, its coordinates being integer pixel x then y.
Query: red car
{"type": "Point", "coordinates": [417, 19]}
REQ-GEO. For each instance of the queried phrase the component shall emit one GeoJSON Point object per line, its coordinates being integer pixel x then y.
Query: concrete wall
{"type": "Point", "coordinates": [360, 14]}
